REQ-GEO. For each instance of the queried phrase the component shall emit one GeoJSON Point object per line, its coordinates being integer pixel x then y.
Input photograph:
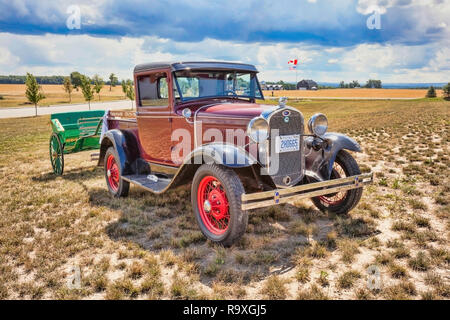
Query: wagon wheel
{"type": "Point", "coordinates": [56, 154]}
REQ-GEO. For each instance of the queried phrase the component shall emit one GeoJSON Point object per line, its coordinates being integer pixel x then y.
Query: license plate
{"type": "Point", "coordinates": [287, 143]}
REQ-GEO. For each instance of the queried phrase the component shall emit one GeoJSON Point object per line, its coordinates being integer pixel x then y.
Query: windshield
{"type": "Point", "coordinates": [203, 84]}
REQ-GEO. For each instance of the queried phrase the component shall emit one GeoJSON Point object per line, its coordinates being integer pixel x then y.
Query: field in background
{"type": "Point", "coordinates": [14, 95]}
{"type": "Point", "coordinates": [352, 93]}
{"type": "Point", "coordinates": [149, 247]}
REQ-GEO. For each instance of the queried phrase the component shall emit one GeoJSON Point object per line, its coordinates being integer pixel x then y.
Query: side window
{"type": "Point", "coordinates": [153, 90]}
{"type": "Point", "coordinates": [163, 88]}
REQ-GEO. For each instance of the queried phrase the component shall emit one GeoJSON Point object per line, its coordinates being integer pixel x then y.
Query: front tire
{"type": "Point", "coordinates": [344, 201]}
{"type": "Point", "coordinates": [116, 185]}
{"type": "Point", "coordinates": [216, 201]}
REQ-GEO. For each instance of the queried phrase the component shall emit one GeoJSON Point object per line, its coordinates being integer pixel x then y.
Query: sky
{"type": "Point", "coordinates": [333, 40]}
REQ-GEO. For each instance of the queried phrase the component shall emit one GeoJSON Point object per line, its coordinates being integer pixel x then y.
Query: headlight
{"type": "Point", "coordinates": [318, 124]}
{"type": "Point", "coordinates": [258, 130]}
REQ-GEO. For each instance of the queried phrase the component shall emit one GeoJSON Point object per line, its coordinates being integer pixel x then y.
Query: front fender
{"type": "Point", "coordinates": [321, 162]}
{"type": "Point", "coordinates": [221, 153]}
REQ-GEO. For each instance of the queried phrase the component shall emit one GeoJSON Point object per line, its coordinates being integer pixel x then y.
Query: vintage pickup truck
{"type": "Point", "coordinates": [198, 123]}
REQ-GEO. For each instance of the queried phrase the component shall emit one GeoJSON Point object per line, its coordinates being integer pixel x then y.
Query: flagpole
{"type": "Point", "coordinates": [295, 78]}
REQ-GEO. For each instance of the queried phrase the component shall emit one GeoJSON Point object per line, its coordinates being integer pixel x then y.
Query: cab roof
{"type": "Point", "coordinates": [195, 65]}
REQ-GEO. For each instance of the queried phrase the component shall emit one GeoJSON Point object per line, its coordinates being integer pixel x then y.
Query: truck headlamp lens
{"type": "Point", "coordinates": [318, 124]}
{"type": "Point", "coordinates": [258, 130]}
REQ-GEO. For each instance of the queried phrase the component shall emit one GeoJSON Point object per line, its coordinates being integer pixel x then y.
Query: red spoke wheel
{"type": "Point", "coordinates": [112, 172]}
{"type": "Point", "coordinates": [336, 198]}
{"type": "Point", "coordinates": [116, 185]}
{"type": "Point", "coordinates": [216, 201]}
{"type": "Point", "coordinates": [213, 205]}
{"type": "Point", "coordinates": [341, 202]}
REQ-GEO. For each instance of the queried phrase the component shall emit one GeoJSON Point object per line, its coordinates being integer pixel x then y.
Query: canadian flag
{"type": "Point", "coordinates": [294, 62]}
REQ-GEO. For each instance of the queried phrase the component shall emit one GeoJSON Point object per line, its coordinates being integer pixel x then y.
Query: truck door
{"type": "Point", "coordinates": [154, 114]}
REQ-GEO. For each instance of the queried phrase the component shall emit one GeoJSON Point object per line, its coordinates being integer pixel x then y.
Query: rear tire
{"type": "Point", "coordinates": [216, 201]}
{"type": "Point", "coordinates": [345, 166]}
{"type": "Point", "coordinates": [116, 185]}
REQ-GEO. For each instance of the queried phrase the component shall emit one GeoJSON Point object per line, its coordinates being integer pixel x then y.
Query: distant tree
{"type": "Point", "coordinates": [446, 91]}
{"type": "Point", "coordinates": [112, 81]}
{"type": "Point", "coordinates": [34, 91]}
{"type": "Point", "coordinates": [355, 84]}
{"type": "Point", "coordinates": [86, 88]}
{"type": "Point", "coordinates": [124, 87]}
{"type": "Point", "coordinates": [431, 93]}
{"type": "Point", "coordinates": [373, 84]}
{"type": "Point", "coordinates": [75, 78]}
{"type": "Point", "coordinates": [130, 92]}
{"type": "Point", "coordinates": [342, 84]}
{"type": "Point", "coordinates": [68, 87]}
{"type": "Point", "coordinates": [98, 84]}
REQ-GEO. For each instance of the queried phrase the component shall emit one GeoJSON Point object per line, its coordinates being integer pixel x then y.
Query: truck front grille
{"type": "Point", "coordinates": [290, 164]}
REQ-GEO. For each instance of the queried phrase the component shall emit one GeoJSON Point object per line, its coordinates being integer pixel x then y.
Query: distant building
{"type": "Point", "coordinates": [274, 87]}
{"type": "Point", "coordinates": [307, 85]}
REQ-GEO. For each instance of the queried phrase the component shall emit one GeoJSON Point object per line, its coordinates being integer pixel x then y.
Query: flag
{"type": "Point", "coordinates": [292, 64]}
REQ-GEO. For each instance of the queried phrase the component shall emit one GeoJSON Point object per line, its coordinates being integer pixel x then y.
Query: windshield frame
{"type": "Point", "coordinates": [235, 71]}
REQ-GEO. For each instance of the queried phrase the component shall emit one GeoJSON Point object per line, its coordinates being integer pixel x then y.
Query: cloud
{"type": "Point", "coordinates": [326, 22]}
{"type": "Point", "coordinates": [61, 54]}
{"type": "Point", "coordinates": [329, 37]}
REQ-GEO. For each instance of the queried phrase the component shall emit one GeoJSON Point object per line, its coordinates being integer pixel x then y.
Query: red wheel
{"type": "Point", "coordinates": [334, 199]}
{"type": "Point", "coordinates": [216, 201]}
{"type": "Point", "coordinates": [112, 172]}
{"type": "Point", "coordinates": [213, 206]}
{"type": "Point", "coordinates": [116, 185]}
{"type": "Point", "coordinates": [343, 201]}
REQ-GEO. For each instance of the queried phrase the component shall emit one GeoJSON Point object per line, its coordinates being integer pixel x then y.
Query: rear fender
{"type": "Point", "coordinates": [126, 146]}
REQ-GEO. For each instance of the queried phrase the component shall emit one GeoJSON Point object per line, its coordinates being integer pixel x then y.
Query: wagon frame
{"type": "Point", "coordinates": [73, 132]}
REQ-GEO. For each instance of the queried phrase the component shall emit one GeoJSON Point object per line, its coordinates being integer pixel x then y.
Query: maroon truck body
{"type": "Point", "coordinates": [199, 123]}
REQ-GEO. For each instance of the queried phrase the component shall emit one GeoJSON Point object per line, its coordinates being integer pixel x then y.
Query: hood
{"type": "Point", "coordinates": [244, 110]}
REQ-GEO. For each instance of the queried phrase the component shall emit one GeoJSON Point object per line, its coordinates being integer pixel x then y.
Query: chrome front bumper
{"type": "Point", "coordinates": [310, 190]}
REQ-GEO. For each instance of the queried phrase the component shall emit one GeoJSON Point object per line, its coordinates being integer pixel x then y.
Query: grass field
{"type": "Point", "coordinates": [149, 247]}
{"type": "Point", "coordinates": [13, 95]}
{"type": "Point", "coordinates": [353, 93]}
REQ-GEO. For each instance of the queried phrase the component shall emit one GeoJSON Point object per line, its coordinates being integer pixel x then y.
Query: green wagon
{"type": "Point", "coordinates": [73, 132]}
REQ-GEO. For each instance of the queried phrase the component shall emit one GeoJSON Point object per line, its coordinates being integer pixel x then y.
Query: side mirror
{"type": "Point", "coordinates": [187, 113]}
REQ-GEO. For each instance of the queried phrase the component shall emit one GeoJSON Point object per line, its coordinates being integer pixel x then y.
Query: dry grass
{"type": "Point", "coordinates": [352, 93]}
{"type": "Point", "coordinates": [14, 95]}
{"type": "Point", "coordinates": [149, 247]}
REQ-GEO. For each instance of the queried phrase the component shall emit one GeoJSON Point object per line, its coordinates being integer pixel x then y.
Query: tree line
{"type": "Point", "coordinates": [355, 84]}
{"type": "Point", "coordinates": [14, 79]}
{"type": "Point", "coordinates": [431, 93]}
{"type": "Point", "coordinates": [76, 81]}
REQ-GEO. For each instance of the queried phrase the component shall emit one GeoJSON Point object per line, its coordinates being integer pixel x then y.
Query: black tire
{"type": "Point", "coordinates": [238, 219]}
{"type": "Point", "coordinates": [122, 188]}
{"type": "Point", "coordinates": [352, 197]}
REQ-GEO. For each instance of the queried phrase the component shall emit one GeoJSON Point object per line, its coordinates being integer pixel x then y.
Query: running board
{"type": "Point", "coordinates": [155, 183]}
{"type": "Point", "coordinates": [310, 190]}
